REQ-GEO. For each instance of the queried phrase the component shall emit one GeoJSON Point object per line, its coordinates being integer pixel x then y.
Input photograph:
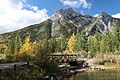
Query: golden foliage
{"type": "Point", "coordinates": [27, 47]}
{"type": "Point", "coordinates": [71, 42]}
{"type": "Point", "coordinates": [4, 48]}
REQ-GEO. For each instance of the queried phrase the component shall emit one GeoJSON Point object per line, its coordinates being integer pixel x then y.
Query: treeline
{"type": "Point", "coordinates": [109, 42]}
{"type": "Point", "coordinates": [16, 50]}
{"type": "Point", "coordinates": [22, 50]}
{"type": "Point", "coordinates": [101, 43]}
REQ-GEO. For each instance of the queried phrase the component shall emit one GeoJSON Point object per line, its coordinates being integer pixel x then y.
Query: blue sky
{"type": "Point", "coordinates": [17, 14]}
{"type": "Point", "coordinates": [97, 6]}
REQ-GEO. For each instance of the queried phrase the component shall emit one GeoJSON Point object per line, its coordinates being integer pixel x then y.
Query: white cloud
{"type": "Point", "coordinates": [96, 15]}
{"type": "Point", "coordinates": [16, 14]}
{"type": "Point", "coordinates": [76, 3]}
{"type": "Point", "coordinates": [116, 15]}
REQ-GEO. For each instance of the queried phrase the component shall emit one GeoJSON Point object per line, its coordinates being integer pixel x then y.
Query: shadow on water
{"type": "Point", "coordinates": [97, 75]}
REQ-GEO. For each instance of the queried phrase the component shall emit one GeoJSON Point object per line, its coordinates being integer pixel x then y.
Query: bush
{"type": "Point", "coordinates": [2, 61]}
{"type": "Point", "coordinates": [9, 58]}
{"type": "Point", "coordinates": [44, 63]}
{"type": "Point", "coordinates": [99, 61]}
{"type": "Point", "coordinates": [23, 57]}
{"type": "Point", "coordinates": [83, 54]}
{"type": "Point", "coordinates": [104, 58]}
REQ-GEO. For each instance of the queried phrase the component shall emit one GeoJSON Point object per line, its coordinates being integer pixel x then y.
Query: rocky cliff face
{"type": "Point", "coordinates": [65, 14]}
{"type": "Point", "coordinates": [63, 23]}
{"type": "Point", "coordinates": [77, 22]}
{"type": "Point", "coordinates": [69, 21]}
{"type": "Point", "coordinates": [102, 23]}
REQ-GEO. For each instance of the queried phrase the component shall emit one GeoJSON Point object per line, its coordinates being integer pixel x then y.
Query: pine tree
{"type": "Point", "coordinates": [11, 47]}
{"type": "Point", "coordinates": [105, 43]}
{"type": "Point", "coordinates": [61, 45]}
{"type": "Point", "coordinates": [81, 43]}
{"type": "Point", "coordinates": [94, 43]}
{"type": "Point", "coordinates": [93, 47]}
{"type": "Point", "coordinates": [17, 44]}
{"type": "Point", "coordinates": [78, 42]}
{"type": "Point", "coordinates": [111, 42]}
{"type": "Point", "coordinates": [116, 33]}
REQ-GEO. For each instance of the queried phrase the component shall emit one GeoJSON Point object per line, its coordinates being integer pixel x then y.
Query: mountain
{"type": "Point", "coordinates": [78, 22]}
{"type": "Point", "coordinates": [62, 24]}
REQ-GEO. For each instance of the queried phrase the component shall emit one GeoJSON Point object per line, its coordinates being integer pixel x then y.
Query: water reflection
{"type": "Point", "coordinates": [98, 75]}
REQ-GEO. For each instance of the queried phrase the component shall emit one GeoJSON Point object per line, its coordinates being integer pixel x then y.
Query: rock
{"type": "Point", "coordinates": [65, 14]}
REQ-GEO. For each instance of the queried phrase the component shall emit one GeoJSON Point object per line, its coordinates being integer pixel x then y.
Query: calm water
{"type": "Point", "coordinates": [98, 75]}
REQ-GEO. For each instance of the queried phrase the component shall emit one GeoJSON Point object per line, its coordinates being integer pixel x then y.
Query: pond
{"type": "Point", "coordinates": [97, 75]}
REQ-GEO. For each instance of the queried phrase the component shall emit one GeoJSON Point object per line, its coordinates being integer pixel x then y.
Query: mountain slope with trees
{"type": "Point", "coordinates": [64, 23]}
{"type": "Point", "coordinates": [65, 31]}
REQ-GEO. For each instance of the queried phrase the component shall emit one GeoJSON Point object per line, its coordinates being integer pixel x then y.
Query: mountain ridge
{"type": "Point", "coordinates": [62, 24]}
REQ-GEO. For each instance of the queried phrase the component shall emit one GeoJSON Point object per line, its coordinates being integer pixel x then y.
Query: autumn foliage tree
{"type": "Point", "coordinates": [71, 43]}
{"type": "Point", "coordinates": [27, 48]}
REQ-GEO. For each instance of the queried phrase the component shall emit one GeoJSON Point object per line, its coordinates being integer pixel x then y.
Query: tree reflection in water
{"type": "Point", "coordinates": [97, 75]}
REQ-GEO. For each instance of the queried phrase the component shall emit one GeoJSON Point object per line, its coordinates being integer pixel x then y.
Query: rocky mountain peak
{"type": "Point", "coordinates": [65, 14]}
{"type": "Point", "coordinates": [104, 15]}
{"type": "Point", "coordinates": [106, 18]}
{"type": "Point", "coordinates": [66, 11]}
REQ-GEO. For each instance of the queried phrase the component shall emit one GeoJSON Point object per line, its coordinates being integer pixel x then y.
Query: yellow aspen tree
{"type": "Point", "coordinates": [71, 43]}
{"type": "Point", "coordinates": [3, 49]}
{"type": "Point", "coordinates": [27, 46]}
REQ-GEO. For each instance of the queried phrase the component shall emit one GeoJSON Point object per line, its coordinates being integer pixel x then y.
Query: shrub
{"type": "Point", "coordinates": [2, 61]}
{"type": "Point", "coordinates": [9, 58]}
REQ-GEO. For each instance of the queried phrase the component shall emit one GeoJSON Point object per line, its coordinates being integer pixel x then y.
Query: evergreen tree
{"type": "Point", "coordinates": [17, 44]}
{"type": "Point", "coordinates": [81, 43]}
{"type": "Point", "coordinates": [111, 42]}
{"type": "Point", "coordinates": [78, 45]}
{"type": "Point", "coordinates": [11, 47]}
{"type": "Point", "coordinates": [105, 43]}
{"type": "Point", "coordinates": [116, 33]}
{"type": "Point", "coordinates": [94, 43]}
{"type": "Point", "coordinates": [61, 45]}
{"type": "Point", "coordinates": [52, 45]}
